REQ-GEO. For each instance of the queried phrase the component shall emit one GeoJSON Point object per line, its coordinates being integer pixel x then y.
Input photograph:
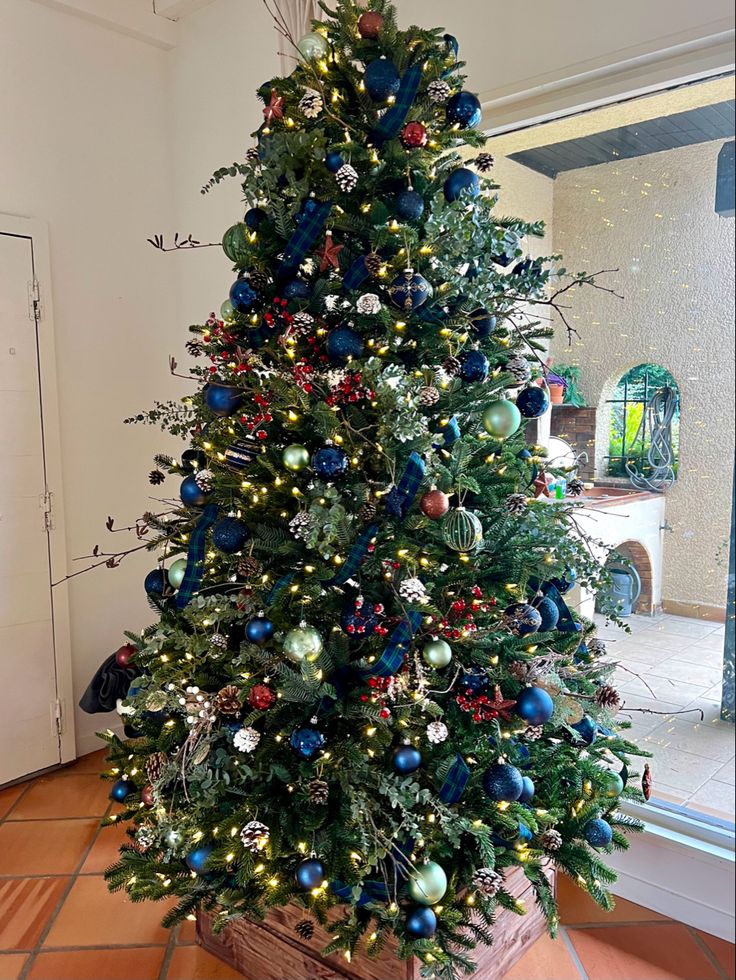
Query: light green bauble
{"type": "Point", "coordinates": [462, 531]}
{"type": "Point", "coordinates": [501, 419]}
{"type": "Point", "coordinates": [227, 311]}
{"type": "Point", "coordinates": [176, 572]}
{"type": "Point", "coordinates": [614, 785]}
{"type": "Point", "coordinates": [428, 885]}
{"type": "Point", "coordinates": [235, 243]}
{"type": "Point", "coordinates": [313, 46]}
{"type": "Point", "coordinates": [437, 654]}
{"type": "Point", "coordinates": [303, 643]}
{"type": "Point", "coordinates": [295, 458]}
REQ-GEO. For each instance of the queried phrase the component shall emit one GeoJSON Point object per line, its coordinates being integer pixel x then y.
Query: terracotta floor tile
{"type": "Point", "coordinates": [93, 763]}
{"type": "Point", "coordinates": [93, 916]}
{"type": "Point", "coordinates": [64, 795]}
{"type": "Point", "coordinates": [725, 953]}
{"type": "Point", "coordinates": [578, 908]}
{"type": "Point", "coordinates": [187, 933]}
{"type": "Point", "coordinates": [11, 964]}
{"type": "Point", "coordinates": [643, 952]}
{"type": "Point", "coordinates": [194, 963]}
{"type": "Point", "coordinates": [105, 849]}
{"type": "Point", "coordinates": [9, 796]}
{"type": "Point", "coordinates": [44, 847]}
{"type": "Point", "coordinates": [27, 905]}
{"type": "Point", "coordinates": [99, 964]}
{"type": "Point", "coordinates": [548, 959]}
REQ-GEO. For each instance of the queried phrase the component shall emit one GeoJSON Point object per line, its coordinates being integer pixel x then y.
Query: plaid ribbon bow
{"type": "Point", "coordinates": [398, 647]}
{"type": "Point", "coordinates": [394, 119]}
{"type": "Point", "coordinates": [402, 497]}
{"type": "Point", "coordinates": [455, 782]}
{"type": "Point", "coordinates": [195, 557]}
{"type": "Point", "coordinates": [356, 274]}
{"type": "Point", "coordinates": [303, 239]}
{"type": "Point", "coordinates": [356, 556]}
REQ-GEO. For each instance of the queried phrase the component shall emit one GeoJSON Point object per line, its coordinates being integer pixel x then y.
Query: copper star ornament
{"type": "Point", "coordinates": [329, 254]}
{"type": "Point", "coordinates": [501, 705]}
{"type": "Point", "coordinates": [274, 109]}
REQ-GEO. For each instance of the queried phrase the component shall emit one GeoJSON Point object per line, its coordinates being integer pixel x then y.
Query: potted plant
{"type": "Point", "coordinates": [557, 386]}
{"type": "Point", "coordinates": [564, 386]}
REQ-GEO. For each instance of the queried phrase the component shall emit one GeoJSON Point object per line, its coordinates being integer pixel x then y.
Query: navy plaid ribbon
{"type": "Point", "coordinates": [278, 587]}
{"type": "Point", "coordinates": [398, 647]}
{"type": "Point", "coordinates": [410, 482]}
{"type": "Point", "coordinates": [195, 557]}
{"type": "Point", "coordinates": [455, 782]}
{"type": "Point", "coordinates": [356, 274]}
{"type": "Point", "coordinates": [376, 891]}
{"type": "Point", "coordinates": [306, 234]}
{"type": "Point", "coordinates": [356, 556]}
{"type": "Point", "coordinates": [394, 119]}
{"type": "Point", "coordinates": [450, 434]}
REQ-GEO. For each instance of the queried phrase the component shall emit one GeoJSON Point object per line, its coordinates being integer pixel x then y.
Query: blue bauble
{"type": "Point", "coordinates": [344, 344]}
{"type": "Point", "coordinates": [464, 109]}
{"type": "Point", "coordinates": [587, 729]}
{"type": "Point", "coordinates": [121, 790]}
{"type": "Point", "coordinates": [459, 181]}
{"type": "Point", "coordinates": [330, 462]}
{"type": "Point", "coordinates": [197, 859]}
{"type": "Point", "coordinates": [410, 206]}
{"type": "Point", "coordinates": [155, 582]}
{"type": "Point", "coordinates": [482, 322]}
{"type": "Point", "coordinates": [191, 495]}
{"type": "Point", "coordinates": [503, 783]}
{"type": "Point", "coordinates": [452, 44]}
{"type": "Point", "coordinates": [522, 619]}
{"type": "Point", "coordinates": [241, 454]}
{"type": "Point", "coordinates": [223, 400]}
{"type": "Point", "coordinates": [535, 706]}
{"type": "Point", "coordinates": [259, 630]}
{"type": "Point", "coordinates": [525, 835]}
{"type": "Point", "coordinates": [421, 923]}
{"type": "Point", "coordinates": [474, 366]}
{"type": "Point", "coordinates": [229, 535]}
{"type": "Point", "coordinates": [407, 760]}
{"type": "Point", "coordinates": [549, 612]}
{"type": "Point", "coordinates": [382, 79]}
{"type": "Point", "coordinates": [475, 680]}
{"type": "Point", "coordinates": [532, 402]}
{"type": "Point", "coordinates": [310, 874]}
{"type": "Point", "coordinates": [309, 206]}
{"type": "Point", "coordinates": [565, 582]}
{"type": "Point", "coordinates": [334, 161]}
{"type": "Point", "coordinates": [527, 790]}
{"type": "Point", "coordinates": [409, 291]}
{"type": "Point", "coordinates": [254, 218]}
{"type": "Point", "coordinates": [297, 289]}
{"type": "Point", "coordinates": [244, 297]}
{"type": "Point", "coordinates": [306, 742]}
{"type": "Point", "coordinates": [598, 833]}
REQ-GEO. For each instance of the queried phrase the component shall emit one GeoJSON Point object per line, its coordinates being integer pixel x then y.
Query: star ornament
{"type": "Point", "coordinates": [500, 705]}
{"type": "Point", "coordinates": [274, 109]}
{"type": "Point", "coordinates": [329, 254]}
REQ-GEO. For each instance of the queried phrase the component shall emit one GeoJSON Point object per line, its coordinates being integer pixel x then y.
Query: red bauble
{"type": "Point", "coordinates": [370, 25]}
{"type": "Point", "coordinates": [414, 135]}
{"type": "Point", "coordinates": [262, 697]}
{"type": "Point", "coordinates": [147, 795]}
{"type": "Point", "coordinates": [434, 504]}
{"type": "Point", "coordinates": [124, 655]}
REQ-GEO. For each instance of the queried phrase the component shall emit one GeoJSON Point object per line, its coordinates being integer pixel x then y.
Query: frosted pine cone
{"type": "Point", "coordinates": [252, 155]}
{"type": "Point", "coordinates": [303, 321]}
{"type": "Point", "coordinates": [255, 836]}
{"type": "Point", "coordinates": [155, 765]}
{"type": "Point", "coordinates": [487, 882]}
{"type": "Point", "coordinates": [520, 369]}
{"type": "Point", "coordinates": [249, 567]}
{"type": "Point", "coordinates": [205, 480]}
{"type": "Point", "coordinates": [311, 104]}
{"type": "Point", "coordinates": [246, 740]}
{"type": "Point", "coordinates": [484, 162]}
{"type": "Point", "coordinates": [368, 304]}
{"type": "Point", "coordinates": [413, 590]}
{"type": "Point", "coordinates": [145, 838]}
{"type": "Point", "coordinates": [218, 641]}
{"type": "Point", "coordinates": [597, 648]}
{"type": "Point", "coordinates": [552, 840]}
{"type": "Point", "coordinates": [437, 732]}
{"type": "Point", "coordinates": [516, 504]}
{"type": "Point", "coordinates": [429, 396]}
{"type": "Point", "coordinates": [451, 366]}
{"type": "Point", "coordinates": [534, 733]}
{"type": "Point", "coordinates": [319, 792]}
{"type": "Point", "coordinates": [608, 697]}
{"type": "Point", "coordinates": [575, 488]}
{"type": "Point", "coordinates": [347, 178]}
{"type": "Point", "coordinates": [439, 91]}
{"type": "Point", "coordinates": [227, 701]}
{"type": "Point", "coordinates": [302, 525]}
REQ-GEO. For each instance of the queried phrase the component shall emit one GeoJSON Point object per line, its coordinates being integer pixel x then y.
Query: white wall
{"type": "Point", "coordinates": [84, 145]}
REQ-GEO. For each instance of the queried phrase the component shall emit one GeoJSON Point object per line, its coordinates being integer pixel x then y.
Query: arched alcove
{"type": "Point", "coordinates": [638, 555]}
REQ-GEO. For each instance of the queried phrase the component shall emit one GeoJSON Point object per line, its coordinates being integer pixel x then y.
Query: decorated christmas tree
{"type": "Point", "coordinates": [365, 693]}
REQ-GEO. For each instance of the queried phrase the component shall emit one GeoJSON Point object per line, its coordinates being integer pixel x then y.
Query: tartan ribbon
{"type": "Point", "coordinates": [356, 556]}
{"type": "Point", "coordinates": [450, 434]}
{"type": "Point", "coordinates": [195, 557]}
{"type": "Point", "coordinates": [398, 646]}
{"type": "Point", "coordinates": [455, 782]}
{"type": "Point", "coordinates": [394, 119]}
{"type": "Point", "coordinates": [410, 482]}
{"type": "Point", "coordinates": [356, 274]}
{"type": "Point", "coordinates": [376, 891]}
{"type": "Point", "coordinates": [305, 236]}
{"type": "Point", "coordinates": [278, 587]}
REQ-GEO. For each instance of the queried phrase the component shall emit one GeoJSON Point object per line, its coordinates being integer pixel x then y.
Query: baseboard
{"type": "Point", "coordinates": [694, 610]}
{"type": "Point", "coordinates": [91, 742]}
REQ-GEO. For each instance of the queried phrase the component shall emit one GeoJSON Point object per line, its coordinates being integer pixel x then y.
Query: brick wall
{"type": "Point", "coordinates": [577, 427]}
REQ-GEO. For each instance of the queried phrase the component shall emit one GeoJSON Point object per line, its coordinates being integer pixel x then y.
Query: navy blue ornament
{"type": "Point", "coordinates": [297, 289]}
{"type": "Point", "coordinates": [452, 44]}
{"type": "Point", "coordinates": [565, 582]}
{"type": "Point", "coordinates": [587, 729]}
{"type": "Point", "coordinates": [382, 79]}
{"type": "Point", "coordinates": [421, 923]}
{"type": "Point", "coordinates": [522, 619]}
{"type": "Point", "coordinates": [190, 493]}
{"type": "Point", "coordinates": [464, 109]}
{"type": "Point", "coordinates": [459, 181]}
{"type": "Point", "coordinates": [503, 783]}
{"type": "Point", "coordinates": [229, 535]}
{"type": "Point", "coordinates": [306, 742]}
{"type": "Point", "coordinates": [474, 366]}
{"type": "Point", "coordinates": [482, 322]}
{"type": "Point", "coordinates": [409, 291]}
{"type": "Point", "coordinates": [241, 454]}
{"type": "Point", "coordinates": [193, 460]}
{"type": "Point", "coordinates": [410, 206]}
{"type": "Point", "coordinates": [407, 760]}
{"type": "Point", "coordinates": [475, 681]}
{"type": "Point", "coordinates": [244, 297]}
{"type": "Point", "coordinates": [330, 462]}
{"type": "Point", "coordinates": [254, 218]}
{"type": "Point", "coordinates": [223, 400]}
{"type": "Point", "coordinates": [532, 402]}
{"type": "Point", "coordinates": [155, 582]}
{"type": "Point", "coordinates": [598, 833]}
{"type": "Point", "coordinates": [527, 790]}
{"type": "Point", "coordinates": [121, 790]}
{"type": "Point", "coordinates": [334, 161]}
{"type": "Point", "coordinates": [259, 630]}
{"type": "Point", "coordinates": [344, 344]}
{"type": "Point", "coordinates": [549, 612]}
{"type": "Point", "coordinates": [310, 874]}
{"type": "Point", "coordinates": [197, 859]}
{"type": "Point", "coordinates": [535, 706]}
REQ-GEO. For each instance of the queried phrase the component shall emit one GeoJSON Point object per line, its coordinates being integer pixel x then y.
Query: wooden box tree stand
{"type": "Point", "coordinates": [272, 950]}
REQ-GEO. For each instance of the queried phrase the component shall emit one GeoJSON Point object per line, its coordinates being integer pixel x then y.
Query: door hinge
{"type": "Point", "coordinates": [34, 301]}
{"type": "Point", "coordinates": [57, 717]}
{"type": "Point", "coordinates": [46, 503]}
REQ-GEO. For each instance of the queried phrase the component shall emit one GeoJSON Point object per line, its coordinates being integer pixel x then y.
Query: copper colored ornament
{"type": "Point", "coordinates": [370, 25]}
{"type": "Point", "coordinates": [124, 655]}
{"type": "Point", "coordinates": [147, 795]}
{"type": "Point", "coordinates": [414, 136]}
{"type": "Point", "coordinates": [262, 697]}
{"type": "Point", "coordinates": [647, 782]}
{"type": "Point", "coordinates": [434, 504]}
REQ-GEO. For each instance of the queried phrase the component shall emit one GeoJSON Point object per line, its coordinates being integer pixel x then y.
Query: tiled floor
{"type": "Point", "coordinates": [59, 922]}
{"type": "Point", "coordinates": [670, 663]}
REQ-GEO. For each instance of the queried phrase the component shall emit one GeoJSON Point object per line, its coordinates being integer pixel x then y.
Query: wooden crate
{"type": "Point", "coordinates": [271, 950]}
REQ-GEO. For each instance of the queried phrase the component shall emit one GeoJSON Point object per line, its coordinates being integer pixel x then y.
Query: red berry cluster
{"type": "Point", "coordinates": [463, 612]}
{"type": "Point", "coordinates": [363, 619]}
{"type": "Point", "coordinates": [379, 686]}
{"type": "Point", "coordinates": [302, 373]}
{"type": "Point", "coordinates": [279, 318]}
{"type": "Point", "coordinates": [350, 390]}
{"type": "Point", "coordinates": [480, 706]}
{"type": "Point", "coordinates": [255, 423]}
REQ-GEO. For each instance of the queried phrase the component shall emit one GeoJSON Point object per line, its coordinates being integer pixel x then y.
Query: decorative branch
{"type": "Point", "coordinates": [180, 244]}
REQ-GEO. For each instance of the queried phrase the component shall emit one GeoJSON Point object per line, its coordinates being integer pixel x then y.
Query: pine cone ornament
{"type": "Point", "coordinates": [597, 648]}
{"type": "Point", "coordinates": [373, 263]}
{"type": "Point", "coordinates": [429, 396]}
{"type": "Point", "coordinates": [227, 701]}
{"type": "Point", "coordinates": [305, 930]}
{"type": "Point", "coordinates": [439, 91]}
{"type": "Point", "coordinates": [252, 155]}
{"type": "Point", "coordinates": [218, 641]}
{"type": "Point", "coordinates": [520, 369]}
{"type": "Point", "coordinates": [608, 697]}
{"type": "Point", "coordinates": [302, 525]}
{"type": "Point", "coordinates": [347, 178]}
{"type": "Point", "coordinates": [552, 840]}
{"type": "Point", "coordinates": [534, 733]}
{"type": "Point", "coordinates": [205, 480]}
{"type": "Point", "coordinates": [319, 792]}
{"type": "Point", "coordinates": [249, 567]}
{"type": "Point", "coordinates": [303, 321]}
{"type": "Point", "coordinates": [246, 740]}
{"type": "Point", "coordinates": [520, 671]}
{"type": "Point", "coordinates": [487, 882]}
{"type": "Point", "coordinates": [156, 478]}
{"type": "Point", "coordinates": [255, 836]}
{"type": "Point", "coordinates": [451, 366]}
{"type": "Point", "coordinates": [258, 280]}
{"type": "Point", "coordinates": [369, 304]}
{"type": "Point", "coordinates": [145, 838]}
{"type": "Point", "coordinates": [194, 348]}
{"type": "Point", "coordinates": [368, 511]}
{"type": "Point", "coordinates": [485, 162]}
{"type": "Point", "coordinates": [576, 487]}
{"type": "Point", "coordinates": [311, 104]}
{"type": "Point", "coordinates": [155, 765]}
{"type": "Point", "coordinates": [516, 504]}
{"type": "Point", "coordinates": [437, 732]}
{"type": "Point", "coordinates": [413, 590]}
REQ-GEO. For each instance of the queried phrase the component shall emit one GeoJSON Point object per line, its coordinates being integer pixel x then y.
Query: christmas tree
{"type": "Point", "coordinates": [365, 693]}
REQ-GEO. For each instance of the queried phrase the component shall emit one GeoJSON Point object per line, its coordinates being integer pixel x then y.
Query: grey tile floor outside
{"type": "Point", "coordinates": [668, 663]}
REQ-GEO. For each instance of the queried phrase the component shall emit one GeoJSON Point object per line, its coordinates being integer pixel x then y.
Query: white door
{"type": "Point", "coordinates": [29, 735]}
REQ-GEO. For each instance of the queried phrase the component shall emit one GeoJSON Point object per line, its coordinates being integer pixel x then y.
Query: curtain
{"type": "Point", "coordinates": [298, 16]}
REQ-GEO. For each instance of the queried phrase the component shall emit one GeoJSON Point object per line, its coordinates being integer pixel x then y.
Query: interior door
{"type": "Point", "coordinates": [29, 733]}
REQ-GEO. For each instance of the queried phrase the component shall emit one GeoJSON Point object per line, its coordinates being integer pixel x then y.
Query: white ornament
{"type": "Point", "coordinates": [413, 590]}
{"type": "Point", "coordinates": [246, 740]}
{"type": "Point", "coordinates": [368, 305]}
{"type": "Point", "coordinates": [437, 732]}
